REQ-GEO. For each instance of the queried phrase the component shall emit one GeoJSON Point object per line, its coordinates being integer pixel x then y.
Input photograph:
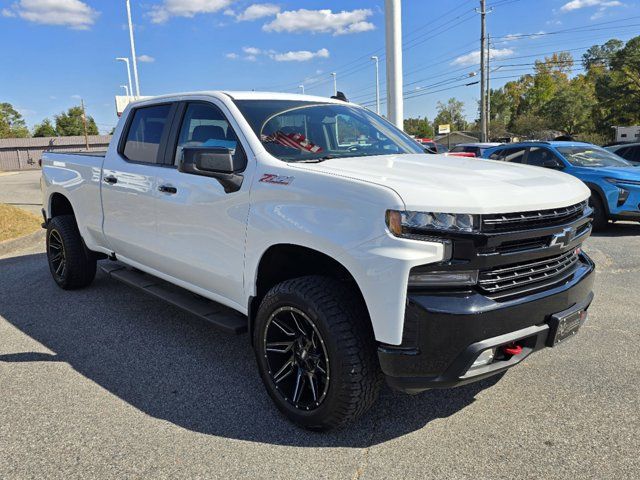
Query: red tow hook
{"type": "Point", "coordinates": [512, 349]}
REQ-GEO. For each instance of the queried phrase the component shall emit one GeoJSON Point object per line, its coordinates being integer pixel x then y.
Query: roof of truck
{"type": "Point", "coordinates": [250, 95]}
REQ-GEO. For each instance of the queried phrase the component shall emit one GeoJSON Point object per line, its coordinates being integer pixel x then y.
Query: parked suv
{"type": "Point", "coordinates": [628, 151]}
{"type": "Point", "coordinates": [476, 148]}
{"type": "Point", "coordinates": [613, 181]}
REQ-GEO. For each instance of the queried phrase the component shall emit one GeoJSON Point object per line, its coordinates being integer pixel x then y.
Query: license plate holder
{"type": "Point", "coordinates": [565, 325]}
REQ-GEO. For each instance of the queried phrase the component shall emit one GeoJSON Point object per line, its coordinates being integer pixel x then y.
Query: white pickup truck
{"type": "Point", "coordinates": [347, 254]}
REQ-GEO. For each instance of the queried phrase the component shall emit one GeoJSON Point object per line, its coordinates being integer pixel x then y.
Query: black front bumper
{"type": "Point", "coordinates": [445, 331]}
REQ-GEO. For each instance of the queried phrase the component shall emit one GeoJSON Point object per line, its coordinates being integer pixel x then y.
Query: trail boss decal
{"type": "Point", "coordinates": [277, 179]}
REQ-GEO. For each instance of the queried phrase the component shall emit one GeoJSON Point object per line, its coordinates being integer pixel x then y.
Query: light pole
{"type": "Point", "coordinates": [301, 87]}
{"type": "Point", "coordinates": [133, 50]}
{"type": "Point", "coordinates": [126, 89]}
{"type": "Point", "coordinates": [335, 84]}
{"type": "Point", "coordinates": [126, 61]}
{"type": "Point", "coordinates": [393, 40]}
{"type": "Point", "coordinates": [375, 59]}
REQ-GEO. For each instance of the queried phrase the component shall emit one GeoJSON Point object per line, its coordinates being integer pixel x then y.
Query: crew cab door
{"type": "Point", "coordinates": [201, 228]}
{"type": "Point", "coordinates": [129, 183]}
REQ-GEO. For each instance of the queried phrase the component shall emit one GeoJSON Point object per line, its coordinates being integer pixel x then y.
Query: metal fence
{"type": "Point", "coordinates": [24, 153]}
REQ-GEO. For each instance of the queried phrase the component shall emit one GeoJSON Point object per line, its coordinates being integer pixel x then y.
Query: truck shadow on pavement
{"type": "Point", "coordinates": [177, 368]}
{"type": "Point", "coordinates": [619, 229]}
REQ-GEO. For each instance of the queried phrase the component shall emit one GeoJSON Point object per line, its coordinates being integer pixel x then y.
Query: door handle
{"type": "Point", "coordinates": [168, 189]}
{"type": "Point", "coordinates": [110, 179]}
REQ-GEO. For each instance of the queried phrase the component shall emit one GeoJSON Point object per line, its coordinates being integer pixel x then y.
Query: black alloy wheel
{"type": "Point", "coordinates": [57, 255]}
{"type": "Point", "coordinates": [297, 358]}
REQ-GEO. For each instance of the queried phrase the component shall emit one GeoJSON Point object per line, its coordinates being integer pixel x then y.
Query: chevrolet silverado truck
{"type": "Point", "coordinates": [347, 254]}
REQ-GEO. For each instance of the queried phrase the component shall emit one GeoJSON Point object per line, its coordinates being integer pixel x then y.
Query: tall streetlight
{"type": "Point", "coordinates": [133, 50]}
{"type": "Point", "coordinates": [126, 61]}
{"type": "Point", "coordinates": [335, 84]}
{"type": "Point", "coordinates": [126, 90]}
{"type": "Point", "coordinates": [375, 59]}
{"type": "Point", "coordinates": [301, 87]}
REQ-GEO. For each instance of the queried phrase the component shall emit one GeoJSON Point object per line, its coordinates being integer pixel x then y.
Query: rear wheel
{"type": "Point", "coordinates": [600, 220]}
{"type": "Point", "coordinates": [72, 265]}
{"type": "Point", "coordinates": [316, 352]}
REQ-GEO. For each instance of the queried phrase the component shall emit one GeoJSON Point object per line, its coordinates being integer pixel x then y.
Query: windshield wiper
{"type": "Point", "coordinates": [316, 160]}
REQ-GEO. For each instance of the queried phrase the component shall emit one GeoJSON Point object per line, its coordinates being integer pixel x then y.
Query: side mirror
{"type": "Point", "coordinates": [554, 164]}
{"type": "Point", "coordinates": [215, 162]}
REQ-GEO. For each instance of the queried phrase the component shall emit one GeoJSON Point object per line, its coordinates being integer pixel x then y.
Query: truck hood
{"type": "Point", "coordinates": [460, 185]}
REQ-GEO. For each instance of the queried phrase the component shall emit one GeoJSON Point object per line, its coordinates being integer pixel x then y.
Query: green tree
{"type": "Point", "coordinates": [569, 110]}
{"type": "Point", "coordinates": [12, 124]}
{"type": "Point", "coordinates": [601, 56]}
{"type": "Point", "coordinates": [451, 113]}
{"type": "Point", "coordinates": [69, 123]}
{"type": "Point", "coordinates": [45, 129]}
{"type": "Point", "coordinates": [418, 127]}
{"type": "Point", "coordinates": [529, 126]}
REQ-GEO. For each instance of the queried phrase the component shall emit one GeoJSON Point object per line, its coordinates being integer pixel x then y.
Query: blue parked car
{"type": "Point", "coordinates": [614, 182]}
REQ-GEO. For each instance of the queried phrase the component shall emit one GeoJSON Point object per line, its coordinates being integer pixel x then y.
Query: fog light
{"type": "Point", "coordinates": [622, 196]}
{"type": "Point", "coordinates": [485, 358]}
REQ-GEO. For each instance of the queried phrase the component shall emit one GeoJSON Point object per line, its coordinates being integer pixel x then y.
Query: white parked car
{"type": "Point", "coordinates": [477, 149]}
{"type": "Point", "coordinates": [347, 254]}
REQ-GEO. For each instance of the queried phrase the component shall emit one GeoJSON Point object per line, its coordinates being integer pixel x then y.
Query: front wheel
{"type": "Point", "coordinates": [72, 265]}
{"type": "Point", "coordinates": [316, 353]}
{"type": "Point", "coordinates": [600, 220]}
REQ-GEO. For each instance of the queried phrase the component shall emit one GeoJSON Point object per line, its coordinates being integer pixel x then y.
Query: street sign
{"type": "Point", "coordinates": [442, 129]}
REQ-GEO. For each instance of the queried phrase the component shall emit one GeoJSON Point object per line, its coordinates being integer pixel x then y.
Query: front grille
{"type": "Point", "coordinates": [536, 219]}
{"type": "Point", "coordinates": [547, 271]}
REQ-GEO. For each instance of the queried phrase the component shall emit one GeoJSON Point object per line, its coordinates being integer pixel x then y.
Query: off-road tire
{"type": "Point", "coordinates": [341, 319]}
{"type": "Point", "coordinates": [80, 263]}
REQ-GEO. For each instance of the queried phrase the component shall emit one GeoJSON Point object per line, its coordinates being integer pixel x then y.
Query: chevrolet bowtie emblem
{"type": "Point", "coordinates": [562, 239]}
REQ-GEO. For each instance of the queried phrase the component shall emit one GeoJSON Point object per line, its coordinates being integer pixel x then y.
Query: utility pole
{"type": "Point", "coordinates": [84, 124]}
{"type": "Point", "coordinates": [335, 84]}
{"type": "Point", "coordinates": [393, 40]}
{"type": "Point", "coordinates": [483, 73]}
{"type": "Point", "coordinates": [133, 50]}
{"type": "Point", "coordinates": [488, 89]}
{"type": "Point", "coordinates": [375, 59]}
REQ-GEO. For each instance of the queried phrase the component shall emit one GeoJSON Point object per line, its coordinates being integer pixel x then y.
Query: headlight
{"type": "Point", "coordinates": [620, 181]}
{"type": "Point", "coordinates": [412, 224]}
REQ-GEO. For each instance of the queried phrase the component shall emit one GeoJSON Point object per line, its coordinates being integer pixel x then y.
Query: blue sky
{"type": "Point", "coordinates": [54, 52]}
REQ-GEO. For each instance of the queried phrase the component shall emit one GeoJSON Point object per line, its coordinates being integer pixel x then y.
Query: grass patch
{"type": "Point", "coordinates": [15, 222]}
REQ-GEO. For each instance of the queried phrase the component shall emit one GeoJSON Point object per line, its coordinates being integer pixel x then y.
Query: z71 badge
{"type": "Point", "coordinates": [277, 179]}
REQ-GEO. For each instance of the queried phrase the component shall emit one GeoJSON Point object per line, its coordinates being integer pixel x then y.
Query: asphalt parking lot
{"type": "Point", "coordinates": [106, 382]}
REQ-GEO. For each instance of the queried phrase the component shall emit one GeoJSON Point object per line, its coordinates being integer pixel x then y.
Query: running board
{"type": "Point", "coordinates": [222, 317]}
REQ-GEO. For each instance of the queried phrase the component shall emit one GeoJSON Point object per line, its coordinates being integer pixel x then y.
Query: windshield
{"type": "Point", "coordinates": [592, 157]}
{"type": "Point", "coordinates": [302, 131]}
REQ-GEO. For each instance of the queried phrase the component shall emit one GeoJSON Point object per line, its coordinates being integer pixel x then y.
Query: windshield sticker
{"type": "Point", "coordinates": [277, 179]}
{"type": "Point", "coordinates": [292, 140]}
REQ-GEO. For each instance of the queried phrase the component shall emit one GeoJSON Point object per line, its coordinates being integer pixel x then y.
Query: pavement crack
{"type": "Point", "coordinates": [364, 458]}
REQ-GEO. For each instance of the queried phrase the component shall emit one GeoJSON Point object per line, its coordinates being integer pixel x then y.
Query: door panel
{"type": "Point", "coordinates": [129, 185]}
{"type": "Point", "coordinates": [201, 229]}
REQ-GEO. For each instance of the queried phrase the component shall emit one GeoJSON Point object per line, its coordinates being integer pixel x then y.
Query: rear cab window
{"type": "Point", "coordinates": [144, 133]}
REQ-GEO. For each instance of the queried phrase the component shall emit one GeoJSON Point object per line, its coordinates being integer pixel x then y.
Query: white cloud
{"type": "Point", "coordinates": [258, 10]}
{"type": "Point", "coordinates": [146, 59]}
{"type": "Point", "coordinates": [578, 4]}
{"type": "Point", "coordinates": [232, 56]}
{"type": "Point", "coordinates": [473, 58]}
{"type": "Point", "coordinates": [68, 13]}
{"type": "Point", "coordinates": [300, 55]}
{"type": "Point", "coordinates": [185, 8]}
{"type": "Point", "coordinates": [76, 96]}
{"type": "Point", "coordinates": [321, 21]}
{"type": "Point", "coordinates": [251, 50]}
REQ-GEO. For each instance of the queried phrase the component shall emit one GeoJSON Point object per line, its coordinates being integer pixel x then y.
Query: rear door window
{"type": "Point", "coordinates": [145, 132]}
{"type": "Point", "coordinates": [513, 155]}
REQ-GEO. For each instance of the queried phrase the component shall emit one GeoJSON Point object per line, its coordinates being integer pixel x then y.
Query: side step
{"type": "Point", "coordinates": [222, 317]}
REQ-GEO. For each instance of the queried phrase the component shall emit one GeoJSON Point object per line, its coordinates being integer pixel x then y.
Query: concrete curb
{"type": "Point", "coordinates": [21, 243]}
